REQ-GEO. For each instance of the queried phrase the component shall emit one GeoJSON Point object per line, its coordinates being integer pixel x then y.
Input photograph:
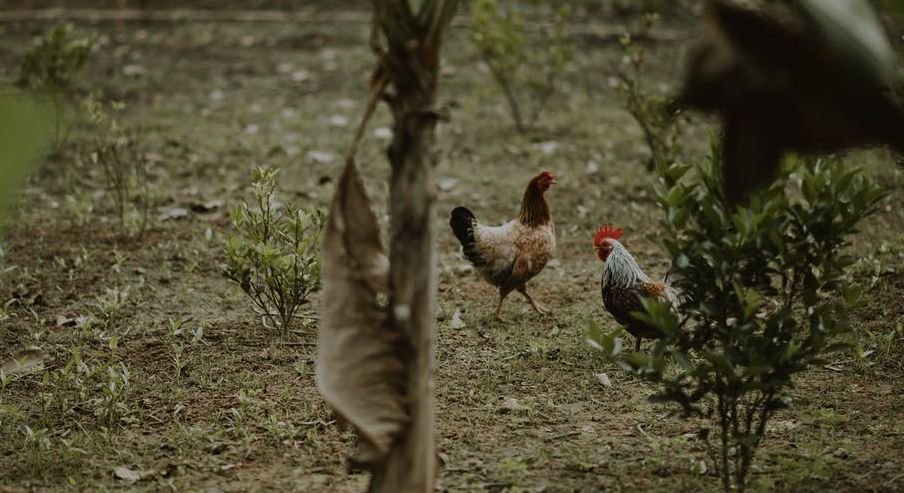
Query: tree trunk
{"type": "Point", "coordinates": [375, 367]}
{"type": "Point", "coordinates": [411, 466]}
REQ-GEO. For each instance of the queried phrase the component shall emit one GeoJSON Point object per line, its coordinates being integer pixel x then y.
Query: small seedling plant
{"type": "Point", "coordinates": [177, 334]}
{"type": "Point", "coordinates": [650, 108]}
{"type": "Point", "coordinates": [52, 67]}
{"type": "Point", "coordinates": [115, 392]}
{"type": "Point", "coordinates": [527, 64]}
{"type": "Point", "coordinates": [766, 295]}
{"type": "Point", "coordinates": [123, 165]}
{"type": "Point", "coordinates": [275, 257]}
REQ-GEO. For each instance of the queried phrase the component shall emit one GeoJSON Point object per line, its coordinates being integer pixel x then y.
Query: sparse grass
{"type": "Point", "coordinates": [237, 413]}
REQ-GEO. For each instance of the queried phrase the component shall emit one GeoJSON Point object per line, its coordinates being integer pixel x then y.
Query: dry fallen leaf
{"type": "Point", "coordinates": [447, 184]}
{"type": "Point", "coordinates": [338, 121]}
{"type": "Point", "coordinates": [208, 206]}
{"type": "Point", "coordinates": [383, 133]}
{"type": "Point", "coordinates": [360, 369]}
{"type": "Point", "coordinates": [24, 363]}
{"type": "Point", "coordinates": [548, 148]}
{"type": "Point", "coordinates": [301, 75]}
{"type": "Point", "coordinates": [457, 322]}
{"type": "Point", "coordinates": [322, 157]}
{"type": "Point", "coordinates": [134, 70]}
{"type": "Point", "coordinates": [172, 213]}
{"type": "Point", "coordinates": [603, 379]}
{"type": "Point", "coordinates": [130, 475]}
{"type": "Point", "coordinates": [511, 405]}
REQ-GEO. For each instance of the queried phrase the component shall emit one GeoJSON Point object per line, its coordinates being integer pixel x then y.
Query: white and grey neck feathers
{"type": "Point", "coordinates": [620, 270]}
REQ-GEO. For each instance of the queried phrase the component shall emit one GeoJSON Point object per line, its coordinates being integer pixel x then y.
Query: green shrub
{"type": "Point", "coordinates": [52, 67]}
{"type": "Point", "coordinates": [275, 258]}
{"type": "Point", "coordinates": [766, 295]}
{"type": "Point", "coordinates": [526, 65]}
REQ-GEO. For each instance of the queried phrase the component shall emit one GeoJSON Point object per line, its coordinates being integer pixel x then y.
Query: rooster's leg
{"type": "Point", "coordinates": [542, 310]}
{"type": "Point", "coordinates": [637, 344]}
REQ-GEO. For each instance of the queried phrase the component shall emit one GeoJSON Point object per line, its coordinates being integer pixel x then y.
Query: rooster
{"type": "Point", "coordinates": [624, 284]}
{"type": "Point", "coordinates": [509, 255]}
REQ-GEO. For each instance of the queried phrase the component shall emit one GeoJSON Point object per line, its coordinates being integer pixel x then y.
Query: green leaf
{"type": "Point", "coordinates": [685, 363]}
{"type": "Point", "coordinates": [852, 294]}
{"type": "Point", "coordinates": [719, 361]}
{"type": "Point", "coordinates": [24, 129]}
{"type": "Point", "coordinates": [609, 344]}
{"type": "Point", "coordinates": [752, 301]}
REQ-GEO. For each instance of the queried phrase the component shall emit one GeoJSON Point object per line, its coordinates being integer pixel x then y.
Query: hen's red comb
{"type": "Point", "coordinates": [606, 231]}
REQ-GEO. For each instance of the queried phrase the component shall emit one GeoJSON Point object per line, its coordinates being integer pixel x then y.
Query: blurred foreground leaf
{"type": "Point", "coordinates": [852, 29]}
{"type": "Point", "coordinates": [24, 128]}
{"type": "Point", "coordinates": [894, 7]}
{"type": "Point", "coordinates": [818, 82]}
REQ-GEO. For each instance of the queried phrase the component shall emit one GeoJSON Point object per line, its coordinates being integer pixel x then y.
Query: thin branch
{"type": "Point", "coordinates": [436, 15]}
{"type": "Point", "coordinates": [377, 90]}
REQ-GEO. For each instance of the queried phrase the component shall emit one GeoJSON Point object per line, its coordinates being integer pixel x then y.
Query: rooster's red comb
{"type": "Point", "coordinates": [606, 231]}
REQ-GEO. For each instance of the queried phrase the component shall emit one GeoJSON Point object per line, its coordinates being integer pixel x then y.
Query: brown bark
{"type": "Point", "coordinates": [411, 64]}
{"type": "Point", "coordinates": [383, 385]}
{"type": "Point", "coordinates": [411, 466]}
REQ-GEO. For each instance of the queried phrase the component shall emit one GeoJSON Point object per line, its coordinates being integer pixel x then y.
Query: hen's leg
{"type": "Point", "coordinates": [637, 344]}
{"type": "Point", "coordinates": [496, 314]}
{"type": "Point", "coordinates": [542, 310]}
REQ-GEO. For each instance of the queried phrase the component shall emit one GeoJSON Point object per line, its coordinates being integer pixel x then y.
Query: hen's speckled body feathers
{"type": "Point", "coordinates": [510, 255]}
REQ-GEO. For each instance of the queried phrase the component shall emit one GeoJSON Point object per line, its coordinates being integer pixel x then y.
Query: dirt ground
{"type": "Point", "coordinates": [232, 412]}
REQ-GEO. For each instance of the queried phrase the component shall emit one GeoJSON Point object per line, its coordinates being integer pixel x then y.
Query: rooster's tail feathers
{"type": "Point", "coordinates": [463, 223]}
{"type": "Point", "coordinates": [671, 277]}
{"type": "Point", "coordinates": [673, 281]}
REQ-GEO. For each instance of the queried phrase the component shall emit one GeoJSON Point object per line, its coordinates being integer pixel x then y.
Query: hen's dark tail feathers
{"type": "Point", "coordinates": [463, 223]}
